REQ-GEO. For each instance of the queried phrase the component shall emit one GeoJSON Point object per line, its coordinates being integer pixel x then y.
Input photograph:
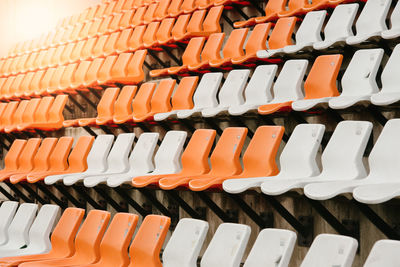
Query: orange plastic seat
{"type": "Point", "coordinates": [272, 8]}
{"type": "Point", "coordinates": [6, 117]}
{"type": "Point", "coordinates": [141, 103]}
{"type": "Point", "coordinates": [87, 50]}
{"type": "Point", "coordinates": [160, 101]}
{"type": "Point", "coordinates": [54, 83]}
{"type": "Point", "coordinates": [125, 21]}
{"type": "Point", "coordinates": [87, 243]}
{"type": "Point", "coordinates": [114, 24]}
{"type": "Point", "coordinates": [109, 46]}
{"type": "Point", "coordinates": [104, 26]}
{"type": "Point", "coordinates": [123, 104]}
{"type": "Point", "coordinates": [94, 28]}
{"type": "Point", "coordinates": [27, 115]}
{"type": "Point", "coordinates": [233, 48]}
{"type": "Point", "coordinates": [3, 107]}
{"type": "Point", "coordinates": [16, 117]}
{"type": "Point", "coordinates": [99, 46]}
{"type": "Point", "coordinates": [128, 5]}
{"type": "Point", "coordinates": [257, 41]}
{"type": "Point", "coordinates": [15, 87]}
{"type": "Point", "coordinates": [194, 26]}
{"type": "Point", "coordinates": [66, 78]}
{"type": "Point", "coordinates": [258, 160]}
{"type": "Point", "coordinates": [225, 159]}
{"type": "Point", "coordinates": [5, 90]}
{"type": "Point", "coordinates": [35, 83]}
{"type": "Point", "coordinates": [121, 46]}
{"type": "Point", "coordinates": [54, 58]}
{"type": "Point", "coordinates": [135, 42]}
{"type": "Point", "coordinates": [188, 6]}
{"type": "Point", "coordinates": [295, 7]}
{"type": "Point", "coordinates": [30, 62]}
{"type": "Point", "coordinates": [191, 56]}
{"type": "Point", "coordinates": [44, 83]}
{"type": "Point", "coordinates": [116, 240]}
{"type": "Point", "coordinates": [24, 87]}
{"type": "Point", "coordinates": [38, 162]}
{"type": "Point", "coordinates": [75, 55]}
{"type": "Point", "coordinates": [149, 15]}
{"type": "Point", "coordinates": [194, 160]}
{"type": "Point", "coordinates": [149, 36]}
{"type": "Point", "coordinates": [211, 22]}
{"type": "Point", "coordinates": [319, 4]}
{"type": "Point", "coordinates": [77, 28]}
{"type": "Point", "coordinates": [90, 77]}
{"type": "Point", "coordinates": [62, 240]}
{"type": "Point", "coordinates": [137, 19]}
{"type": "Point", "coordinates": [108, 11]}
{"type": "Point", "coordinates": [146, 246]}
{"type": "Point", "coordinates": [211, 51]}
{"type": "Point", "coordinates": [179, 30]}
{"type": "Point", "coordinates": [164, 33]}
{"type": "Point", "coordinates": [11, 159]}
{"type": "Point", "coordinates": [162, 9]}
{"type": "Point", "coordinates": [66, 54]}
{"type": "Point", "coordinates": [281, 35]}
{"type": "Point", "coordinates": [100, 11]}
{"type": "Point", "coordinates": [134, 73]}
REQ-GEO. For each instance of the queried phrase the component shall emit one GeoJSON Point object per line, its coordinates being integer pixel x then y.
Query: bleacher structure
{"type": "Point", "coordinates": [212, 133]}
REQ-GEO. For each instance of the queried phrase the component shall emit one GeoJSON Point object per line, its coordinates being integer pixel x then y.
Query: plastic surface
{"type": "Point", "coordinates": [384, 253]}
{"type": "Point", "coordinates": [7, 212]}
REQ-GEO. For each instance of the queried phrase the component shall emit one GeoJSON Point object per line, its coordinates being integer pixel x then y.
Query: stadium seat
{"type": "Point", "coordinates": [272, 8]}
{"type": "Point", "coordinates": [394, 31]}
{"type": "Point", "coordinates": [258, 159]}
{"type": "Point", "coordinates": [320, 85]}
{"type": "Point", "coordinates": [227, 245]}
{"type": "Point", "coordinates": [359, 79]}
{"type": "Point", "coordinates": [210, 52]}
{"type": "Point", "coordinates": [149, 36]}
{"type": "Point", "coordinates": [333, 250]}
{"type": "Point", "coordinates": [6, 118]}
{"type": "Point", "coordinates": [230, 94]}
{"type": "Point", "coordinates": [204, 96]}
{"type": "Point", "coordinates": [298, 159]}
{"type": "Point", "coordinates": [383, 253]}
{"type": "Point", "coordinates": [294, 7]}
{"type": "Point", "coordinates": [18, 230]}
{"type": "Point", "coordinates": [96, 161]}
{"type": "Point", "coordinates": [39, 233]}
{"type": "Point", "coordinates": [87, 243]}
{"type": "Point", "coordinates": [278, 242]}
{"type": "Point", "coordinates": [287, 88]}
{"type": "Point", "coordinates": [8, 208]}
{"type": "Point", "coordinates": [123, 104]}
{"type": "Point", "coordinates": [117, 160]}
{"type": "Point", "coordinates": [224, 159]}
{"type": "Point", "coordinates": [194, 160]}
{"type": "Point", "coordinates": [336, 153]}
{"type": "Point", "coordinates": [371, 22]}
{"type": "Point", "coordinates": [183, 248]}
{"type": "Point", "coordinates": [62, 240]}
{"type": "Point", "coordinates": [164, 33]}
{"type": "Point", "coordinates": [146, 246]}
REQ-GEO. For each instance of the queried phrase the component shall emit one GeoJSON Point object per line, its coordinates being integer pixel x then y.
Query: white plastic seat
{"type": "Point", "coordinates": [390, 91]}
{"type": "Point", "coordinates": [140, 160]}
{"type": "Point", "coordinates": [227, 246]}
{"type": "Point", "coordinates": [384, 253]}
{"type": "Point", "coordinates": [205, 95]}
{"type": "Point", "coordinates": [338, 27]}
{"type": "Point", "coordinates": [7, 212]}
{"type": "Point", "coordinates": [298, 159]}
{"type": "Point", "coordinates": [273, 247]}
{"type": "Point", "coordinates": [231, 93]}
{"type": "Point", "coordinates": [258, 90]}
{"type": "Point", "coordinates": [371, 22]}
{"type": "Point", "coordinates": [18, 231]}
{"type": "Point", "coordinates": [117, 160]}
{"type": "Point", "coordinates": [96, 161]}
{"type": "Point", "coordinates": [331, 250]}
{"type": "Point", "coordinates": [384, 168]}
{"type": "Point", "coordinates": [359, 79]}
{"type": "Point", "coordinates": [394, 31]}
{"type": "Point", "coordinates": [168, 157]}
{"type": "Point", "coordinates": [289, 84]}
{"type": "Point", "coordinates": [39, 233]}
{"type": "Point", "coordinates": [186, 241]}
{"type": "Point", "coordinates": [341, 159]}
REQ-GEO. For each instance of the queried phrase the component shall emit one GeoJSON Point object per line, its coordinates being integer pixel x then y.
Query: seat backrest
{"type": "Point", "coordinates": [149, 14]}
{"type": "Point", "coordinates": [42, 226]}
{"type": "Point", "coordinates": [87, 49]}
{"type": "Point", "coordinates": [42, 112]}
{"type": "Point", "coordinates": [231, 92]}
{"type": "Point", "coordinates": [26, 159]}
{"type": "Point", "coordinates": [259, 157]}
{"type": "Point", "coordinates": [41, 161]}
{"type": "Point", "coordinates": [342, 157]}
{"type": "Point", "coordinates": [322, 78]}
{"type": "Point", "coordinates": [360, 75]}
{"type": "Point", "coordinates": [227, 246]}
{"type": "Point", "coordinates": [77, 159]}
{"type": "Point", "coordinates": [87, 241]}
{"type": "Point", "coordinates": [135, 66]}
{"type": "Point", "coordinates": [258, 89]}
{"type": "Point", "coordinates": [273, 7]}
{"type": "Point", "coordinates": [168, 156]}
{"type": "Point", "coordinates": [383, 253]}
{"type": "Point", "coordinates": [136, 40]}
{"type": "Point", "coordinates": [258, 38]}
{"type": "Point", "coordinates": [234, 45]}
{"type": "Point", "coordinates": [6, 117]}
{"type": "Point", "coordinates": [59, 157]}
{"type": "Point", "coordinates": [389, 77]}
{"type": "Point", "coordinates": [296, 4]}
{"type": "Point", "coordinates": [146, 246]}
{"type": "Point", "coordinates": [12, 156]}
{"type": "Point", "coordinates": [278, 242]}
{"type": "Point", "coordinates": [206, 92]}
{"type": "Point", "coordinates": [16, 117]}
{"type": "Point", "coordinates": [123, 104]}
{"type": "Point", "coordinates": [118, 158]}
{"type": "Point", "coordinates": [67, 77]}
{"type": "Point", "coordinates": [331, 250]}
{"type": "Point", "coordinates": [211, 23]}
{"type": "Point", "coordinates": [116, 240]}
{"type": "Point", "coordinates": [162, 9]}
{"type": "Point", "coordinates": [63, 236]}
{"type": "Point", "coordinates": [179, 29]}
{"type": "Point", "coordinates": [97, 158]}
{"type": "Point", "coordinates": [310, 28]}
{"type": "Point", "coordinates": [212, 48]}
{"type": "Point", "coordinates": [281, 34]}
{"type": "Point", "coordinates": [35, 83]}
{"type": "Point", "coordinates": [372, 18]}
{"type": "Point", "coordinates": [122, 43]}
{"type": "Point", "coordinates": [141, 103]}
{"type": "Point", "coordinates": [127, 16]}
{"type": "Point", "coordinates": [225, 156]}
{"type": "Point", "coordinates": [195, 25]}
{"type": "Point", "coordinates": [105, 107]}
{"type": "Point", "coordinates": [191, 56]}
{"type": "Point", "coordinates": [288, 85]}
{"type": "Point", "coordinates": [395, 17]}
{"type": "Point", "coordinates": [183, 94]}
{"type": "Point", "coordinates": [161, 100]}
{"type": "Point", "coordinates": [141, 158]}
{"type": "Point", "coordinates": [118, 69]}
{"type": "Point", "coordinates": [186, 241]}
{"type": "Point", "coordinates": [104, 74]}
{"type": "Point", "coordinates": [138, 17]}
{"type": "Point", "coordinates": [57, 108]}
{"type": "Point", "coordinates": [29, 114]}
{"type": "Point", "coordinates": [94, 69]}
{"type": "Point", "coordinates": [18, 231]}
{"type": "Point", "coordinates": [149, 36]}
{"type": "Point", "coordinates": [164, 33]}
{"type": "Point", "coordinates": [299, 156]}
{"type": "Point", "coordinates": [7, 212]}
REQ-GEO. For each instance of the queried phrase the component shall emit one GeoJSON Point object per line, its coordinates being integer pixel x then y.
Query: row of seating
{"type": "Point", "coordinates": [96, 242]}
{"type": "Point", "coordinates": [128, 40]}
{"type": "Point", "coordinates": [125, 68]}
